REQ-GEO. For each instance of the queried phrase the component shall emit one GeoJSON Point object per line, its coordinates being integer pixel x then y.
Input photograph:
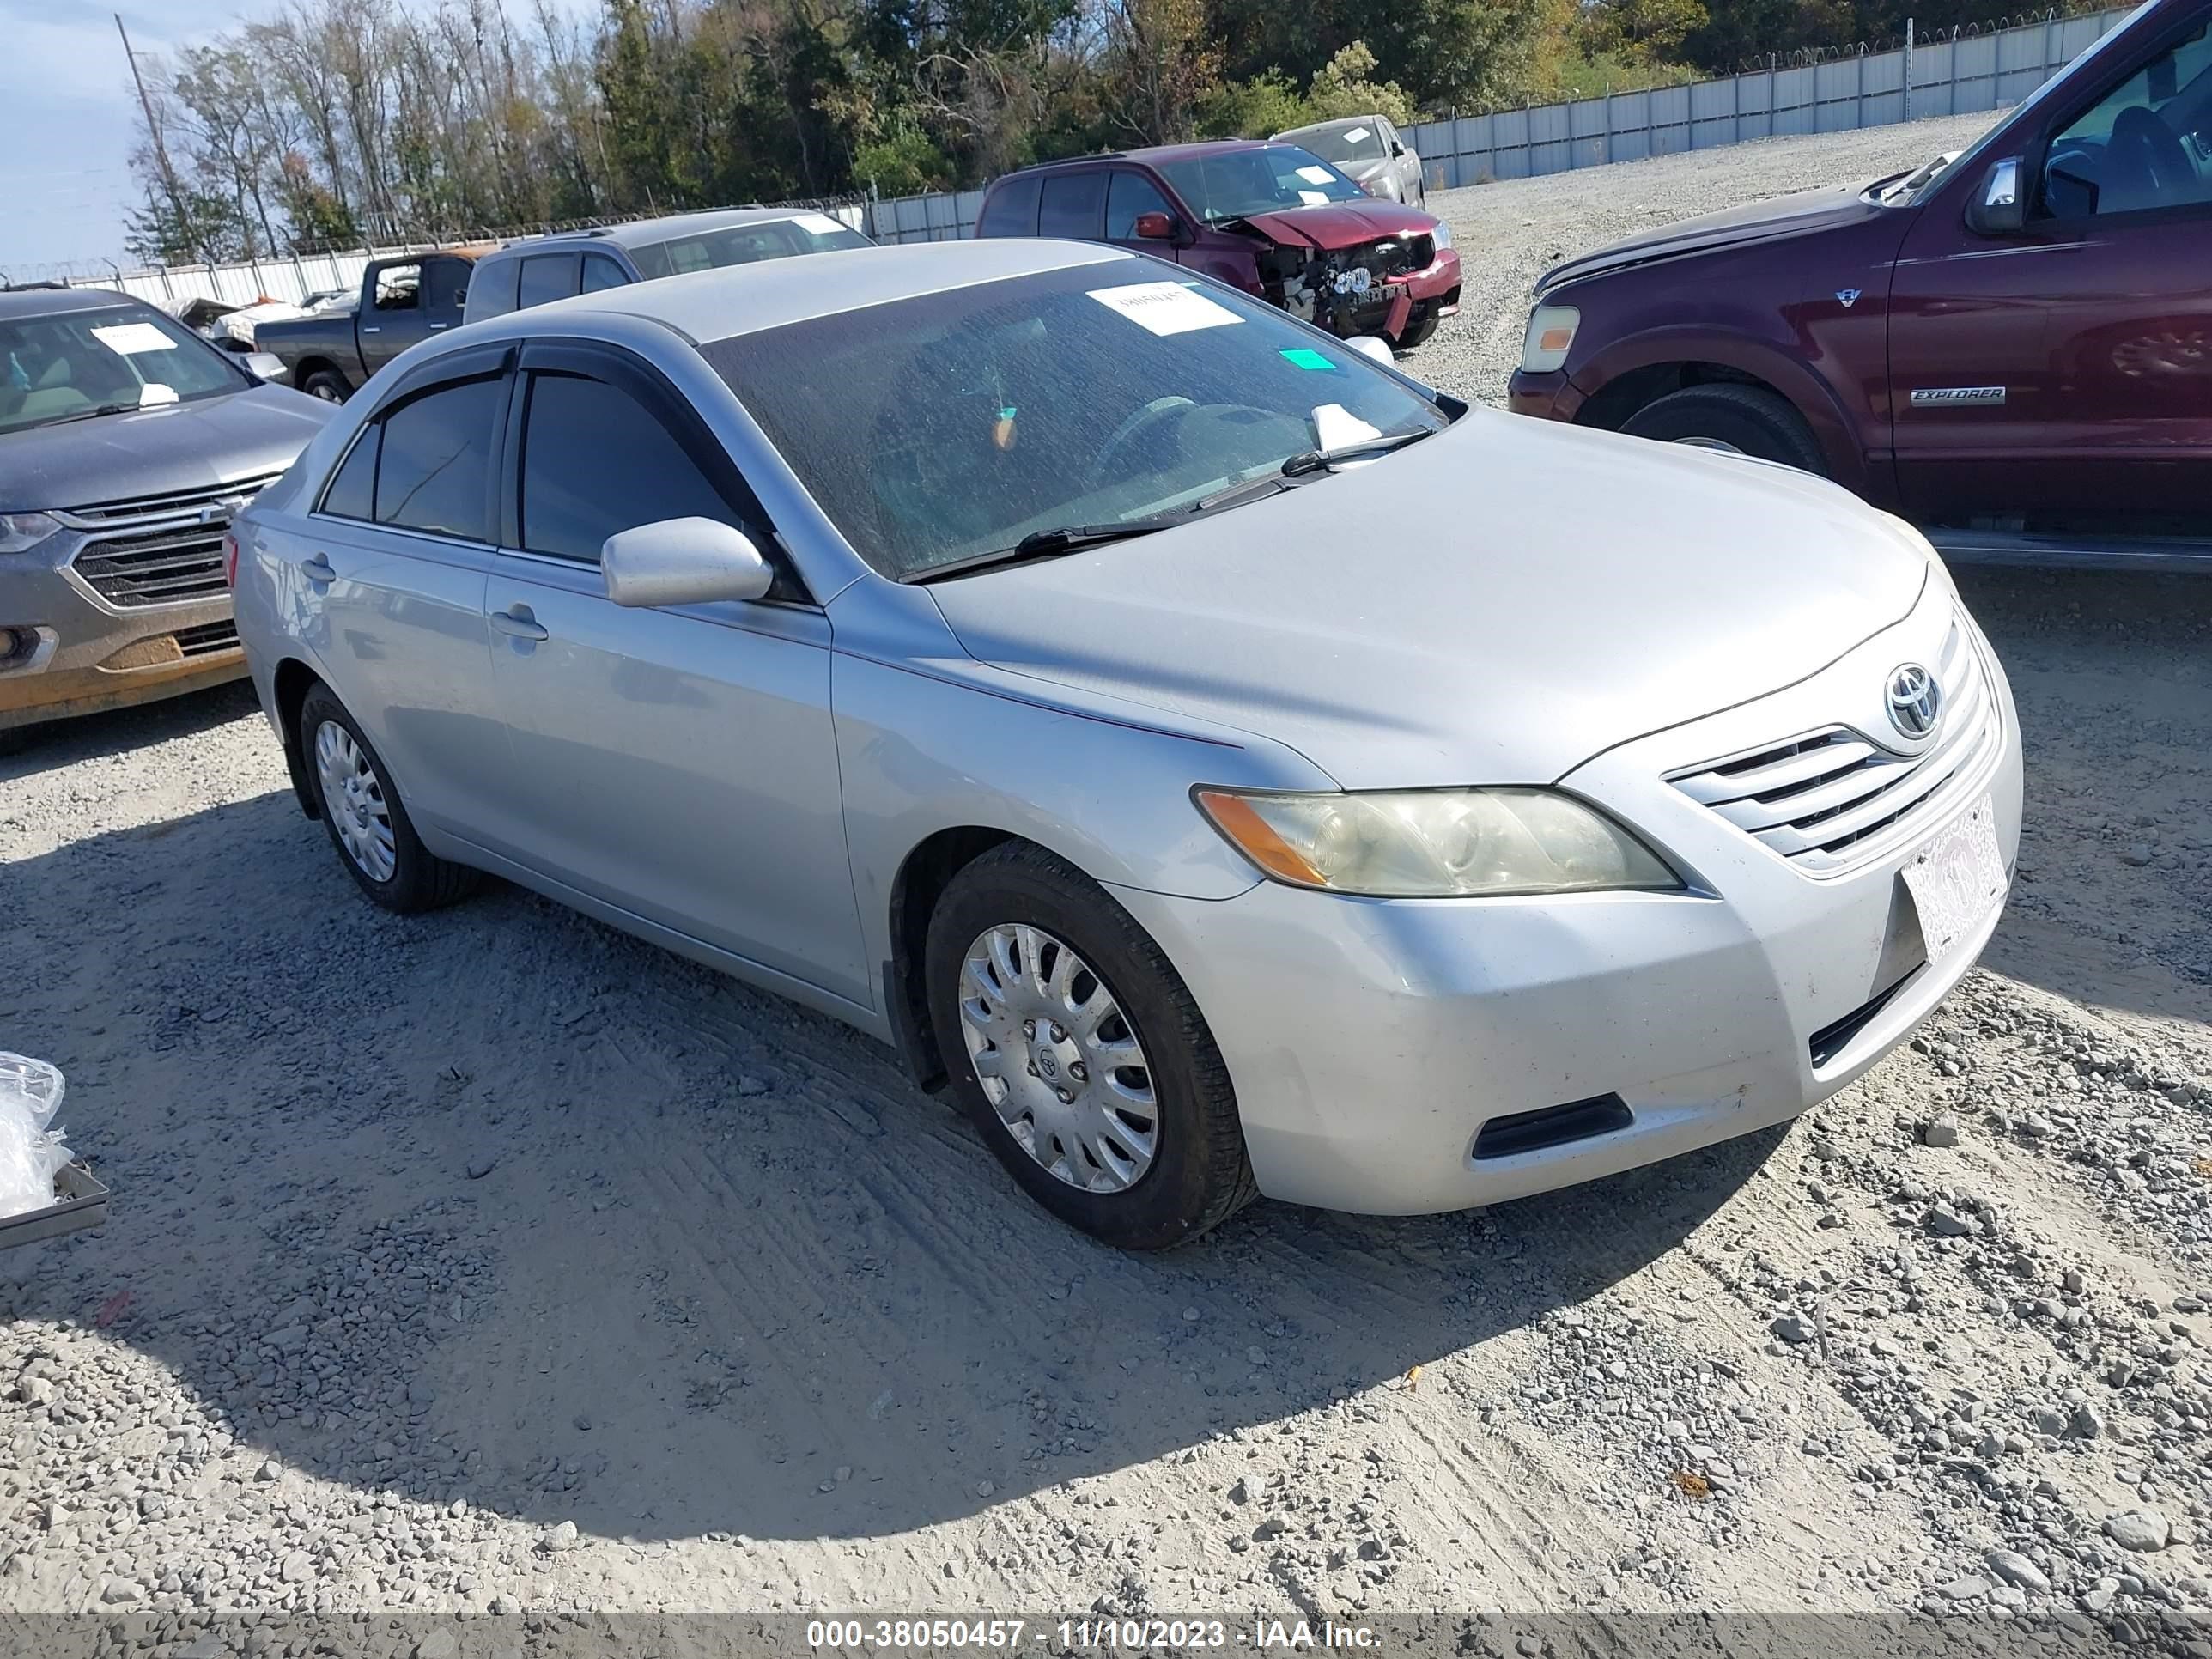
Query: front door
{"type": "Point", "coordinates": [2061, 378]}
{"type": "Point", "coordinates": [677, 763]}
{"type": "Point", "coordinates": [1129, 193]}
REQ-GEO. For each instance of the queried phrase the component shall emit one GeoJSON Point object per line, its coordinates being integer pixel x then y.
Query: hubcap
{"type": "Point", "coordinates": [353, 798]}
{"type": "Point", "coordinates": [322, 389]}
{"type": "Point", "coordinates": [1721, 445]}
{"type": "Point", "coordinates": [1059, 1060]}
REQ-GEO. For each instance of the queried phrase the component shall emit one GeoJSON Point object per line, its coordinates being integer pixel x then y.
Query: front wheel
{"type": "Point", "coordinates": [1740, 419]}
{"type": "Point", "coordinates": [326, 385]}
{"type": "Point", "coordinates": [1081, 1056]}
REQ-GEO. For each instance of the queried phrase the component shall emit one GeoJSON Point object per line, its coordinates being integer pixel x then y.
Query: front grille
{"type": "Point", "coordinates": [1393, 256]}
{"type": "Point", "coordinates": [156, 566]}
{"type": "Point", "coordinates": [207, 639]}
{"type": "Point", "coordinates": [169, 506]}
{"type": "Point", "coordinates": [1833, 799]}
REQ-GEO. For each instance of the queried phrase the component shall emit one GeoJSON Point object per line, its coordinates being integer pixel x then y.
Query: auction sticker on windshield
{"type": "Point", "coordinates": [1957, 879]}
{"type": "Point", "coordinates": [129, 339]}
{"type": "Point", "coordinates": [1164, 307]}
{"type": "Point", "coordinates": [1314, 175]}
{"type": "Point", "coordinates": [820, 224]}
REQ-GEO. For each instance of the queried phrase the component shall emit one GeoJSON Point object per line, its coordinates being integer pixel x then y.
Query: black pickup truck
{"type": "Point", "coordinates": [403, 299]}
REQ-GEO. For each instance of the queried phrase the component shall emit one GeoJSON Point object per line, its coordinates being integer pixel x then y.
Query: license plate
{"type": "Point", "coordinates": [1957, 879]}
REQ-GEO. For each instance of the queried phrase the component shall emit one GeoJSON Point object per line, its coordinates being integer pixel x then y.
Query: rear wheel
{"type": "Point", "coordinates": [1740, 420]}
{"type": "Point", "coordinates": [367, 821]}
{"type": "Point", "coordinates": [1081, 1056]}
{"type": "Point", "coordinates": [325, 384]}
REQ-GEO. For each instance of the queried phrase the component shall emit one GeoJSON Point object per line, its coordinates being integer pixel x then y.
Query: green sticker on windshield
{"type": "Point", "coordinates": [1306, 358]}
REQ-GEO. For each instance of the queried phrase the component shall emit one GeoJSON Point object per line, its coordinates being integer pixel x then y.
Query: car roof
{"type": "Point", "coordinates": [52, 301]}
{"type": "Point", "coordinates": [1342, 124]}
{"type": "Point", "coordinates": [1154, 155]}
{"type": "Point", "coordinates": [638, 233]}
{"type": "Point", "coordinates": [732, 300]}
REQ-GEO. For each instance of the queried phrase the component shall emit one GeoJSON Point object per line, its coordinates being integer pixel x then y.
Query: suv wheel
{"type": "Point", "coordinates": [1081, 1056]}
{"type": "Point", "coordinates": [1741, 420]}
{"type": "Point", "coordinates": [324, 384]}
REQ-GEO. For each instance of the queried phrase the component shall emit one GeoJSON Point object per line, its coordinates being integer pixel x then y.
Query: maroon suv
{"type": "Point", "coordinates": [2012, 347]}
{"type": "Point", "coordinates": [1271, 219]}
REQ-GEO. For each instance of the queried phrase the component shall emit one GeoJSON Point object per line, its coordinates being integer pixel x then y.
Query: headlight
{"type": "Point", "coordinates": [1442, 235]}
{"type": "Point", "coordinates": [1436, 843]}
{"type": "Point", "coordinates": [19, 530]}
{"type": "Point", "coordinates": [1551, 336]}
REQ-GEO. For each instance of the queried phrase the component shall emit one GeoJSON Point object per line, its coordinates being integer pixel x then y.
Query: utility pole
{"type": "Point", "coordinates": [154, 132]}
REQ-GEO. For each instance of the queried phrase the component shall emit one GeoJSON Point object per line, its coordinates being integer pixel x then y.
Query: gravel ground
{"type": "Point", "coordinates": [495, 1261]}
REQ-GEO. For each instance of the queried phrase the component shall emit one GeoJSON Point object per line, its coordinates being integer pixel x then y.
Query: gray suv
{"type": "Point", "coordinates": [127, 444]}
{"type": "Point", "coordinates": [525, 274]}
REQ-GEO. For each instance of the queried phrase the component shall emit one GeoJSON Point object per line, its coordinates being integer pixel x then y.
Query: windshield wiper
{"type": "Point", "coordinates": [92, 414]}
{"type": "Point", "coordinates": [1050, 545]}
{"type": "Point", "coordinates": [1316, 460]}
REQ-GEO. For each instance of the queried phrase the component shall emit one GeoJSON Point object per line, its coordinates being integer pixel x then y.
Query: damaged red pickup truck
{"type": "Point", "coordinates": [1271, 219]}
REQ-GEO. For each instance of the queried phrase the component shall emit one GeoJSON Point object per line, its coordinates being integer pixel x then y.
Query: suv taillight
{"type": "Point", "coordinates": [230, 558]}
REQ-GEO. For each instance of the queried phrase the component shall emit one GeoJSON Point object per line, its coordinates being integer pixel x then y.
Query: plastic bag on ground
{"type": "Point", "coordinates": [30, 1155]}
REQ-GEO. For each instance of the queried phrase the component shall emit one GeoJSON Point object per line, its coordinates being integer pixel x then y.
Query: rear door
{"type": "Point", "coordinates": [549, 276]}
{"type": "Point", "coordinates": [1073, 204]}
{"type": "Point", "coordinates": [392, 315]}
{"type": "Point", "coordinates": [2056, 379]}
{"type": "Point", "coordinates": [391, 584]}
{"type": "Point", "coordinates": [678, 764]}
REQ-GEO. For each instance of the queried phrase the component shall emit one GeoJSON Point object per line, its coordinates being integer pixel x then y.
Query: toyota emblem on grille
{"type": "Point", "coordinates": [1915, 701]}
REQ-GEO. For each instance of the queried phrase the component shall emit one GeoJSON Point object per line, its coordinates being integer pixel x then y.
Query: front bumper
{"type": "Point", "coordinates": [87, 653]}
{"type": "Point", "coordinates": [1550, 396]}
{"type": "Point", "coordinates": [1370, 1041]}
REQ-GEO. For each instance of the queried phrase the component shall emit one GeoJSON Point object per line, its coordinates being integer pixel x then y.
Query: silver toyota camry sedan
{"type": "Point", "coordinates": [1230, 766]}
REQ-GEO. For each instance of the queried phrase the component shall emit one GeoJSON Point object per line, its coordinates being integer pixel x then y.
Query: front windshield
{"type": "Point", "coordinates": [75, 362]}
{"type": "Point", "coordinates": [1238, 182]}
{"type": "Point", "coordinates": [745, 245]}
{"type": "Point", "coordinates": [1349, 146]}
{"type": "Point", "coordinates": [936, 429]}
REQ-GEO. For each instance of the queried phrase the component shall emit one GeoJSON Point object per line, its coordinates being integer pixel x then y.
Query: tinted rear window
{"type": "Point", "coordinates": [435, 472]}
{"type": "Point", "coordinates": [548, 276]}
{"type": "Point", "coordinates": [492, 290]}
{"type": "Point", "coordinates": [1073, 204]}
{"type": "Point", "coordinates": [1012, 210]}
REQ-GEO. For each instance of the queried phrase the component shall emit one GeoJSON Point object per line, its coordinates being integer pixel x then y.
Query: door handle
{"type": "Point", "coordinates": [372, 328]}
{"type": "Point", "coordinates": [437, 325]}
{"type": "Point", "coordinates": [318, 568]}
{"type": "Point", "coordinates": [518, 623]}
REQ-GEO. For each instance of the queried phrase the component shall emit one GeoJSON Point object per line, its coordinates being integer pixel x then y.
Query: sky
{"type": "Point", "coordinates": [67, 112]}
{"type": "Point", "coordinates": [65, 123]}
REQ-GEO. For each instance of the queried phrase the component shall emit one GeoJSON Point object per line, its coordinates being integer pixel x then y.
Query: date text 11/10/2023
{"type": "Point", "coordinates": [1080, 1635]}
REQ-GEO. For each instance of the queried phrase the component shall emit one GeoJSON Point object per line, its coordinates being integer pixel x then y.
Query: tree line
{"type": "Point", "coordinates": [333, 122]}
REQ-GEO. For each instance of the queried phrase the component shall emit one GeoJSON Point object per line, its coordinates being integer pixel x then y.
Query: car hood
{"type": "Point", "coordinates": [1340, 224]}
{"type": "Point", "coordinates": [1795, 214]}
{"type": "Point", "coordinates": [165, 450]}
{"type": "Point", "coordinates": [1495, 604]}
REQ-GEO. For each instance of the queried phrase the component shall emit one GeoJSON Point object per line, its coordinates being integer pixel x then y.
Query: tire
{"type": "Point", "coordinates": [417, 879]}
{"type": "Point", "coordinates": [1748, 419]}
{"type": "Point", "coordinates": [1196, 1175]}
{"type": "Point", "coordinates": [1419, 327]}
{"type": "Point", "coordinates": [327, 385]}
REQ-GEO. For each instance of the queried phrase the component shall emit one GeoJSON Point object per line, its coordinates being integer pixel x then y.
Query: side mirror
{"type": "Point", "coordinates": [265, 366]}
{"type": "Point", "coordinates": [683, 561]}
{"type": "Point", "coordinates": [1397, 149]}
{"type": "Point", "coordinates": [1998, 207]}
{"type": "Point", "coordinates": [1155, 227]}
{"type": "Point", "coordinates": [1374, 346]}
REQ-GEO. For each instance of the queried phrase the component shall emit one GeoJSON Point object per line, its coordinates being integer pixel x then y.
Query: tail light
{"type": "Point", "coordinates": [230, 558]}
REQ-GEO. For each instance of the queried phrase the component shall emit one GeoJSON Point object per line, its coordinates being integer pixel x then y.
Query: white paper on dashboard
{"type": "Point", "coordinates": [1335, 425]}
{"type": "Point", "coordinates": [1313, 198]}
{"type": "Point", "coordinates": [1164, 307]}
{"type": "Point", "coordinates": [1314, 175]}
{"type": "Point", "coordinates": [820, 224]}
{"type": "Point", "coordinates": [128, 339]}
{"type": "Point", "coordinates": [153, 394]}
{"type": "Point", "coordinates": [1355, 135]}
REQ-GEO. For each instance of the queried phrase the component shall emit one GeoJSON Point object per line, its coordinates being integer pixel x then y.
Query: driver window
{"type": "Point", "coordinates": [399, 288]}
{"type": "Point", "coordinates": [2144, 145]}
